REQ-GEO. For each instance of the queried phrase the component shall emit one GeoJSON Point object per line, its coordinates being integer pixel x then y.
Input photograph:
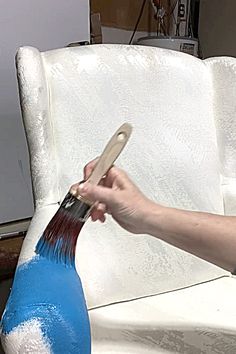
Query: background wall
{"type": "Point", "coordinates": [118, 19]}
{"type": "Point", "coordinates": [124, 13]}
{"type": "Point", "coordinates": [217, 27]}
{"type": "Point", "coordinates": [45, 24]}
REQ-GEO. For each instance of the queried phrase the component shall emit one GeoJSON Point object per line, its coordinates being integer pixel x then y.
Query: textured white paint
{"type": "Point", "coordinates": [199, 319]}
{"type": "Point", "coordinates": [223, 74]}
{"type": "Point", "coordinates": [40, 220]}
{"type": "Point", "coordinates": [26, 339]}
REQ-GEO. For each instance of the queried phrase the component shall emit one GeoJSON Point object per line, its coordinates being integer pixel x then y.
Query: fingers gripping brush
{"type": "Point", "coordinates": [58, 241]}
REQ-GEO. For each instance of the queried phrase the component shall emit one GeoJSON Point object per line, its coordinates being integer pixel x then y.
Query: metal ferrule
{"type": "Point", "coordinates": [78, 207]}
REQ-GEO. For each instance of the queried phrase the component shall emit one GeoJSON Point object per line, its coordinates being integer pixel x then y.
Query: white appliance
{"type": "Point", "coordinates": [179, 35]}
{"type": "Point", "coordinates": [181, 44]}
{"type": "Point", "coordinates": [45, 24]}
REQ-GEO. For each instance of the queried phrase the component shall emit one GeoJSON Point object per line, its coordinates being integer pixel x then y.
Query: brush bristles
{"type": "Point", "coordinates": [58, 241]}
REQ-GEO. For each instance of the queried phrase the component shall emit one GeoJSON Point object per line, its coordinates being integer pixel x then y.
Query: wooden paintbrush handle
{"type": "Point", "coordinates": [112, 150]}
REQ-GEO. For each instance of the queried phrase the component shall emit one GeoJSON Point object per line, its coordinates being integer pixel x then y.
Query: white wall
{"type": "Point", "coordinates": [45, 24]}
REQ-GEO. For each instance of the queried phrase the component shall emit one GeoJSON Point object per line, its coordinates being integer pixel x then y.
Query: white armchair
{"type": "Point", "coordinates": [143, 295]}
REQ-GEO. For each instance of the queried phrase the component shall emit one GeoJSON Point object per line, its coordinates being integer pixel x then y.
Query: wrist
{"type": "Point", "coordinates": [155, 219]}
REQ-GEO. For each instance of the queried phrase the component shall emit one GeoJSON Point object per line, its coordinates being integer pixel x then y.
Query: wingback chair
{"type": "Point", "coordinates": [143, 296]}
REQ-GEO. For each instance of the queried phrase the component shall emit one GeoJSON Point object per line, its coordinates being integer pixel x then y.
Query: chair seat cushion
{"type": "Point", "coordinates": [195, 320]}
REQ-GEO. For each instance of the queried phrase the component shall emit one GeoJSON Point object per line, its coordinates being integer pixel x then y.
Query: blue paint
{"type": "Point", "coordinates": [53, 294]}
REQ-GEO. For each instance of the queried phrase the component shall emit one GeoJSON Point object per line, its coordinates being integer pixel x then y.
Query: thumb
{"type": "Point", "coordinates": [97, 193]}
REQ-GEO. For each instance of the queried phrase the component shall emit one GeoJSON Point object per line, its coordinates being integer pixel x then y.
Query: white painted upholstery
{"type": "Point", "coordinates": [182, 154]}
{"type": "Point", "coordinates": [196, 320]}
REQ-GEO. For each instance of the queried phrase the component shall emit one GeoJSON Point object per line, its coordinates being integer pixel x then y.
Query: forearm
{"type": "Point", "coordinates": [208, 236]}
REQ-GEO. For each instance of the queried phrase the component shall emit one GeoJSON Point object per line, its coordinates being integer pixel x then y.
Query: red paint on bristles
{"type": "Point", "coordinates": [58, 241]}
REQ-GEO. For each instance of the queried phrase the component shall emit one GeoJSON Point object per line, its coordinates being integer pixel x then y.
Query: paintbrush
{"type": "Point", "coordinates": [58, 241]}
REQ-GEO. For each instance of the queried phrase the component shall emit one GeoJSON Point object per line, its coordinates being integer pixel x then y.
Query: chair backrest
{"type": "Point", "coordinates": [223, 71]}
{"type": "Point", "coordinates": [72, 101]}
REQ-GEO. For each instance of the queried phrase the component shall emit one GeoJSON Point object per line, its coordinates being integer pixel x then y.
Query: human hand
{"type": "Point", "coordinates": [116, 195]}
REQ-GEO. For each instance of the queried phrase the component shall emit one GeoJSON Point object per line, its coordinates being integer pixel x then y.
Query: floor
{"type": "Point", "coordinates": [5, 287]}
